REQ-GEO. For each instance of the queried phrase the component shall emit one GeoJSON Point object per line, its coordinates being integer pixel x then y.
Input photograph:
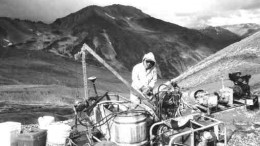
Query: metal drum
{"type": "Point", "coordinates": [130, 129]}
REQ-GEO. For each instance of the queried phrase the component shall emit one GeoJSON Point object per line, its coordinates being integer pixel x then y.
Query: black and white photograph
{"type": "Point", "coordinates": [129, 72]}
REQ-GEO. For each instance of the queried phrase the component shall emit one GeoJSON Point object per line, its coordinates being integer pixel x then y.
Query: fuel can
{"type": "Point", "coordinates": [37, 137]}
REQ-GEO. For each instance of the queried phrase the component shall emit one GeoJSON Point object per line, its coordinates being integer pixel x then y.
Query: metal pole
{"type": "Point", "coordinates": [85, 80]}
{"type": "Point", "coordinates": [222, 82]}
{"type": "Point", "coordinates": [95, 89]}
{"type": "Point", "coordinates": [225, 136]}
{"type": "Point", "coordinates": [192, 137]}
{"type": "Point", "coordinates": [84, 73]}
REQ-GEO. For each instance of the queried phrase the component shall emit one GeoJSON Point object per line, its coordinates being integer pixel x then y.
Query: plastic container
{"type": "Point", "coordinates": [57, 134]}
{"type": "Point", "coordinates": [252, 102]}
{"type": "Point", "coordinates": [37, 137]}
{"type": "Point", "coordinates": [45, 121]}
{"type": "Point", "coordinates": [9, 132]}
{"type": "Point", "coordinates": [130, 129]}
{"type": "Point", "coordinates": [211, 101]}
{"type": "Point", "coordinates": [226, 96]}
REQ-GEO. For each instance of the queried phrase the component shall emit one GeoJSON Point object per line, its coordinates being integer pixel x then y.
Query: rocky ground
{"type": "Point", "coordinates": [243, 127]}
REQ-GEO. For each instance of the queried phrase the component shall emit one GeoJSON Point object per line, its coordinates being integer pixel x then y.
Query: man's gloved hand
{"type": "Point", "coordinates": [147, 90]}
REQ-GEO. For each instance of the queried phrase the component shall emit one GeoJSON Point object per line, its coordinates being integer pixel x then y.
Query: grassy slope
{"type": "Point", "coordinates": [39, 77]}
{"type": "Point", "coordinates": [243, 56]}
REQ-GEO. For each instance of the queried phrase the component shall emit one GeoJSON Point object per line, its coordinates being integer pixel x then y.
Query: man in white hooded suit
{"type": "Point", "coordinates": [144, 76]}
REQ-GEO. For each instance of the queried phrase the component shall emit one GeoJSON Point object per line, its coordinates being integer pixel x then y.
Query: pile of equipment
{"type": "Point", "coordinates": [241, 90]}
{"type": "Point", "coordinates": [228, 97]}
{"type": "Point", "coordinates": [115, 119]}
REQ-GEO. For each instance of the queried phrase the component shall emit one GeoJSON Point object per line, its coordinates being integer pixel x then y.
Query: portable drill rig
{"type": "Point", "coordinates": [114, 118]}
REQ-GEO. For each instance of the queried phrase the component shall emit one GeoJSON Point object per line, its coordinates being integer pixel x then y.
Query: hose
{"type": "Point", "coordinates": [107, 118]}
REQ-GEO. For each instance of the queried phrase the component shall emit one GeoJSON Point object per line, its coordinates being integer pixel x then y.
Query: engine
{"type": "Point", "coordinates": [206, 99]}
{"type": "Point", "coordinates": [241, 88]}
{"type": "Point", "coordinates": [168, 101]}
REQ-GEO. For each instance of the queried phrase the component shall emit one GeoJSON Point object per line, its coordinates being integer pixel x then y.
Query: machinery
{"type": "Point", "coordinates": [210, 101]}
{"type": "Point", "coordinates": [242, 91]}
{"type": "Point", "coordinates": [204, 98]}
{"type": "Point", "coordinates": [113, 120]}
{"type": "Point", "coordinates": [227, 97]}
{"type": "Point", "coordinates": [241, 88]}
{"type": "Point", "coordinates": [168, 101]}
{"type": "Point", "coordinates": [198, 131]}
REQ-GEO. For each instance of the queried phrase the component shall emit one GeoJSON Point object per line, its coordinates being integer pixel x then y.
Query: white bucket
{"type": "Point", "coordinates": [45, 121]}
{"type": "Point", "coordinates": [9, 132]}
{"type": "Point", "coordinates": [57, 134]}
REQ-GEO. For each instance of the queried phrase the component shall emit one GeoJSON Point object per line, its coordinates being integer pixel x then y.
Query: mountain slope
{"type": "Point", "coordinates": [243, 56]}
{"type": "Point", "coordinates": [131, 33]}
{"type": "Point", "coordinates": [243, 30]}
{"type": "Point", "coordinates": [220, 34]}
{"type": "Point", "coordinates": [119, 34]}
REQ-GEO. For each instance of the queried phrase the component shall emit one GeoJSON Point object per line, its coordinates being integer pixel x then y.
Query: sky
{"type": "Point", "coordinates": [187, 13]}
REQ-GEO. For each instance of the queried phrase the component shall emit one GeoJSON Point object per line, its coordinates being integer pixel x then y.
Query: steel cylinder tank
{"type": "Point", "coordinates": [129, 129]}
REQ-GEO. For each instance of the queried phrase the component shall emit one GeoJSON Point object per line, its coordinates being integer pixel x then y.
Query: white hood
{"type": "Point", "coordinates": [149, 56]}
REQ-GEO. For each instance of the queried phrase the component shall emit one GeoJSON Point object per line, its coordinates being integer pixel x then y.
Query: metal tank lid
{"type": "Point", "coordinates": [130, 118]}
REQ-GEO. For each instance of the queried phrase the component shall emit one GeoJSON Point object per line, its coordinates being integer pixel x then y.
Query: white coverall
{"type": "Point", "coordinates": [142, 77]}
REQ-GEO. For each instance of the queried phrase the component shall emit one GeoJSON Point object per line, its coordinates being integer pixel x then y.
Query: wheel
{"type": "Point", "coordinates": [162, 138]}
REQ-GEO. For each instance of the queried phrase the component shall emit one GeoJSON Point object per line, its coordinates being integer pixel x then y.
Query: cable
{"type": "Point", "coordinates": [107, 118]}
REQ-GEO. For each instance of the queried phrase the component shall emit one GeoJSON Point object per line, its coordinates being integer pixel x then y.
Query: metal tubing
{"type": "Point", "coordinates": [194, 122]}
{"type": "Point", "coordinates": [95, 89]}
{"type": "Point", "coordinates": [162, 122]}
{"type": "Point", "coordinates": [151, 130]}
{"type": "Point", "coordinates": [94, 137]}
{"type": "Point", "coordinates": [212, 119]}
{"type": "Point", "coordinates": [225, 136]}
{"type": "Point", "coordinates": [192, 137]}
{"type": "Point", "coordinates": [84, 67]}
{"type": "Point", "coordinates": [192, 131]}
{"type": "Point", "coordinates": [112, 101]}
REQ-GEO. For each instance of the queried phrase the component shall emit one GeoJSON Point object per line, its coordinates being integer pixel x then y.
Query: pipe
{"type": "Point", "coordinates": [192, 137]}
{"type": "Point", "coordinates": [84, 67]}
{"type": "Point", "coordinates": [194, 122]}
{"type": "Point", "coordinates": [94, 137]}
{"type": "Point", "coordinates": [151, 130]}
{"type": "Point", "coordinates": [225, 136]}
